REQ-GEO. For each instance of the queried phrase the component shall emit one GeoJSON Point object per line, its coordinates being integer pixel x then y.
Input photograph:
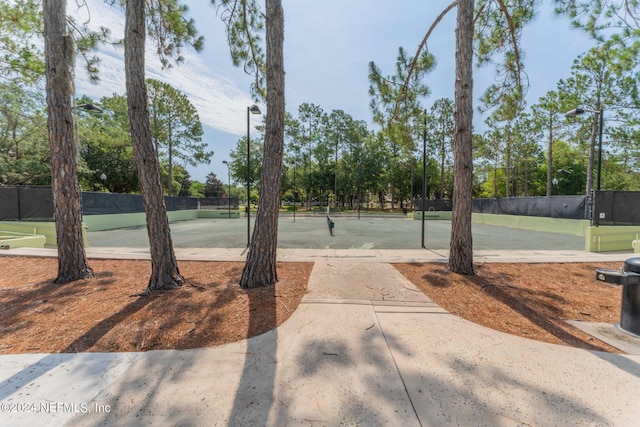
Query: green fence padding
{"type": "Point", "coordinates": [574, 227]}
{"type": "Point", "coordinates": [14, 239]}
{"type": "Point", "coordinates": [113, 221]}
{"type": "Point", "coordinates": [46, 229]}
{"type": "Point", "coordinates": [611, 238]}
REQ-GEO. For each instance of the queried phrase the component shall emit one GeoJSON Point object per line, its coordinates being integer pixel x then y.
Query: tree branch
{"type": "Point", "coordinates": [424, 42]}
{"type": "Point", "coordinates": [417, 55]}
{"type": "Point", "coordinates": [514, 42]}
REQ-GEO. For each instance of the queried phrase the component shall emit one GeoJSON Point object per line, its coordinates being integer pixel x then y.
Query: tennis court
{"type": "Point", "coordinates": [311, 232]}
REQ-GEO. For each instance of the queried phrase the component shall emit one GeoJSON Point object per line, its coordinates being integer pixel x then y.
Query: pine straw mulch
{"type": "Point", "coordinates": [107, 314]}
{"type": "Point", "coordinates": [528, 300]}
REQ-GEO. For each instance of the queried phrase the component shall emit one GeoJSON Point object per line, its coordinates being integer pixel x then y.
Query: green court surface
{"type": "Point", "coordinates": [369, 232]}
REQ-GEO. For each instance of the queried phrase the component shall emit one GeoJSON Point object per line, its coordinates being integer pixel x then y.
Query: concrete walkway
{"type": "Point", "coordinates": [365, 347]}
{"type": "Point", "coordinates": [352, 255]}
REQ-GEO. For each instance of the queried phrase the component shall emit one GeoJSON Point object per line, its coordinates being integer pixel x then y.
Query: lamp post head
{"type": "Point", "coordinates": [225, 162]}
{"type": "Point", "coordinates": [90, 107]}
{"type": "Point", "coordinates": [574, 112]}
{"type": "Point", "coordinates": [578, 111]}
{"type": "Point", "coordinates": [254, 109]}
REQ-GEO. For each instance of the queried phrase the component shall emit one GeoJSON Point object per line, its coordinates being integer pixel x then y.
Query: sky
{"type": "Point", "coordinates": [328, 46]}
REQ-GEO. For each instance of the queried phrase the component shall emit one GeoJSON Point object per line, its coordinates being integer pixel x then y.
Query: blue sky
{"type": "Point", "coordinates": [328, 46]}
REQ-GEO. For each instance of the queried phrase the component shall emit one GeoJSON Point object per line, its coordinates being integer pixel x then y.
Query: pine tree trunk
{"type": "Point", "coordinates": [59, 57]}
{"type": "Point", "coordinates": [260, 268]}
{"type": "Point", "coordinates": [461, 250]}
{"type": "Point", "coordinates": [164, 267]}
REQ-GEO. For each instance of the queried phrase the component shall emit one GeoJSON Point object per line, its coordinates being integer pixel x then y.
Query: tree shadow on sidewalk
{"type": "Point", "coordinates": [255, 393]}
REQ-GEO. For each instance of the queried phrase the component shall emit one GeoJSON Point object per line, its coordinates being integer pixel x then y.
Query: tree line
{"type": "Point", "coordinates": [511, 157]}
{"type": "Point", "coordinates": [529, 151]}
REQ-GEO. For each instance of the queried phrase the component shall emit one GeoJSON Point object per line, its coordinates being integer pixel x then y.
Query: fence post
{"type": "Point", "coordinates": [19, 204]}
{"type": "Point", "coordinates": [81, 203]}
{"type": "Point", "coordinates": [594, 218]}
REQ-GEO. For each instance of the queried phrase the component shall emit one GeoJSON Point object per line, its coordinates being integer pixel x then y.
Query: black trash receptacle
{"type": "Point", "coordinates": [630, 312]}
{"type": "Point", "coordinates": [629, 278]}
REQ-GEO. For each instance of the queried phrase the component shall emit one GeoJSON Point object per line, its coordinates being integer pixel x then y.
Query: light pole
{"type": "Point", "coordinates": [424, 172]}
{"type": "Point", "coordinates": [295, 161]}
{"type": "Point", "coordinates": [556, 181]}
{"type": "Point", "coordinates": [309, 169]}
{"type": "Point", "coordinates": [103, 179]}
{"type": "Point", "coordinates": [90, 107]}
{"type": "Point", "coordinates": [335, 180]}
{"type": "Point", "coordinates": [229, 181]}
{"type": "Point", "coordinates": [76, 135]}
{"type": "Point", "coordinates": [600, 112]}
{"type": "Point", "coordinates": [250, 110]}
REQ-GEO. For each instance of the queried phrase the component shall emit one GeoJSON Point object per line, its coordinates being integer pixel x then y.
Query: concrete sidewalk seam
{"type": "Point", "coordinates": [395, 364]}
{"type": "Point", "coordinates": [335, 302]}
{"type": "Point", "coordinates": [413, 312]}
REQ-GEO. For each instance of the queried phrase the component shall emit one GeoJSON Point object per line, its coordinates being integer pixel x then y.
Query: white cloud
{"type": "Point", "coordinates": [221, 104]}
